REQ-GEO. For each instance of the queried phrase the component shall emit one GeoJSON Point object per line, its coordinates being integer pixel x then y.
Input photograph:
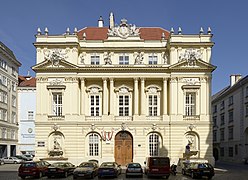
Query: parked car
{"type": "Point", "coordinates": [109, 169]}
{"type": "Point", "coordinates": [29, 156]}
{"type": "Point", "coordinates": [245, 160]}
{"type": "Point", "coordinates": [35, 169]}
{"type": "Point", "coordinates": [86, 170]}
{"type": "Point", "coordinates": [134, 169]}
{"type": "Point", "coordinates": [1, 162]}
{"type": "Point", "coordinates": [181, 162]}
{"type": "Point", "coordinates": [22, 157]}
{"type": "Point", "coordinates": [11, 160]}
{"type": "Point", "coordinates": [197, 170]}
{"type": "Point", "coordinates": [157, 166]}
{"type": "Point", "coordinates": [60, 169]}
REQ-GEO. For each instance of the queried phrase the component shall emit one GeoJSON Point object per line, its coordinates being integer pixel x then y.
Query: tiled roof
{"type": "Point", "coordinates": [26, 81]}
{"type": "Point", "coordinates": [101, 33]}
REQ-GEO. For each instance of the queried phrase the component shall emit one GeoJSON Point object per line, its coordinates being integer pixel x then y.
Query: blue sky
{"type": "Point", "coordinates": [227, 19]}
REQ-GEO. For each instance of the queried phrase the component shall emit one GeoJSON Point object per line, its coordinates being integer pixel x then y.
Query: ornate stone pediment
{"type": "Point", "coordinates": [124, 30]}
{"type": "Point", "coordinates": [55, 56]}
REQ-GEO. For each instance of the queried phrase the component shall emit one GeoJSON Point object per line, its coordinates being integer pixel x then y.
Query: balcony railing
{"type": "Point", "coordinates": [93, 118]}
{"type": "Point", "coordinates": [154, 118]}
{"type": "Point", "coordinates": [56, 118]}
{"type": "Point", "coordinates": [193, 117]}
{"type": "Point", "coordinates": [123, 118]}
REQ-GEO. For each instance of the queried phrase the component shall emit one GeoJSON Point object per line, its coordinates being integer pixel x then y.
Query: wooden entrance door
{"type": "Point", "coordinates": [123, 148]}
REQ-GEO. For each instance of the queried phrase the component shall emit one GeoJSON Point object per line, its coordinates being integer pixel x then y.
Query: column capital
{"type": "Point", "coordinates": [104, 79]}
{"type": "Point", "coordinates": [111, 79]}
{"type": "Point", "coordinates": [165, 78]}
{"type": "Point", "coordinates": [142, 79]}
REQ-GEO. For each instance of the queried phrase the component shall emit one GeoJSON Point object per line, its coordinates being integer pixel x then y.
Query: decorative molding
{"type": "Point", "coordinates": [54, 56]}
{"type": "Point", "coordinates": [191, 81]}
{"type": "Point", "coordinates": [191, 56]}
{"type": "Point", "coordinates": [165, 57]}
{"type": "Point", "coordinates": [138, 57]}
{"type": "Point", "coordinates": [124, 30]}
{"type": "Point", "coordinates": [107, 58]}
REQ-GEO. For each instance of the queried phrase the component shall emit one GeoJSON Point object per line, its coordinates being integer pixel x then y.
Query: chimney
{"type": "Point", "coordinates": [100, 22]}
{"type": "Point", "coordinates": [234, 78]}
{"type": "Point", "coordinates": [111, 21]}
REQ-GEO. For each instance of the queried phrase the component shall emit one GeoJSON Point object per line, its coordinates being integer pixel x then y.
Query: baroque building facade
{"type": "Point", "coordinates": [122, 93]}
{"type": "Point", "coordinates": [9, 67]}
{"type": "Point", "coordinates": [230, 117]}
{"type": "Point", "coordinates": [26, 114]}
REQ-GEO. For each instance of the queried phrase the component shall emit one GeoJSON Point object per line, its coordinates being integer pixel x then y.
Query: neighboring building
{"type": "Point", "coordinates": [26, 114]}
{"type": "Point", "coordinates": [230, 121]}
{"type": "Point", "coordinates": [121, 93]}
{"type": "Point", "coordinates": [9, 67]}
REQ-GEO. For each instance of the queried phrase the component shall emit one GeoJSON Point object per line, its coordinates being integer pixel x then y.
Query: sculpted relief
{"type": "Point", "coordinates": [54, 56]}
{"type": "Point", "coordinates": [191, 56]}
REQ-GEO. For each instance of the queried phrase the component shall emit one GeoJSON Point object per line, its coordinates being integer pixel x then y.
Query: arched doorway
{"type": "Point", "coordinates": [123, 147]}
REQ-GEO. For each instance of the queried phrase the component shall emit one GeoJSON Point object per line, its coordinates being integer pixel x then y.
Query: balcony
{"type": "Point", "coordinates": [123, 118]}
{"type": "Point", "coordinates": [154, 118]}
{"type": "Point", "coordinates": [93, 118]}
{"type": "Point", "coordinates": [55, 118]}
{"type": "Point", "coordinates": [191, 118]}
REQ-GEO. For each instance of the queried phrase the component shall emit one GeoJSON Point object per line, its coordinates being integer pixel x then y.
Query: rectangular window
{"type": "Point", "coordinates": [222, 119]}
{"type": "Point", "coordinates": [57, 104]}
{"type": "Point", "coordinates": [3, 114]}
{"type": "Point", "coordinates": [3, 80]}
{"type": "Point", "coordinates": [3, 96]}
{"type": "Point", "coordinates": [246, 110]}
{"type": "Point", "coordinates": [230, 100]}
{"type": "Point", "coordinates": [222, 134]}
{"type": "Point", "coordinates": [14, 86]}
{"type": "Point", "coordinates": [94, 105]}
{"type": "Point", "coordinates": [215, 121]}
{"type": "Point", "coordinates": [3, 64]}
{"type": "Point", "coordinates": [230, 116]}
{"type": "Point", "coordinates": [95, 59]}
{"type": "Point", "coordinates": [13, 101]}
{"type": "Point", "coordinates": [214, 135]}
{"type": "Point", "coordinates": [222, 151]}
{"type": "Point", "coordinates": [215, 109]}
{"type": "Point", "coordinates": [230, 151]}
{"type": "Point", "coordinates": [230, 133]}
{"type": "Point", "coordinates": [93, 145]}
{"type": "Point", "coordinates": [153, 59]}
{"type": "Point", "coordinates": [236, 149]}
{"type": "Point", "coordinates": [124, 59]}
{"type": "Point", "coordinates": [13, 71]}
{"type": "Point", "coordinates": [153, 105]}
{"type": "Point", "coordinates": [123, 105]}
{"type": "Point", "coordinates": [190, 106]}
{"type": "Point", "coordinates": [30, 115]}
{"type": "Point", "coordinates": [222, 105]}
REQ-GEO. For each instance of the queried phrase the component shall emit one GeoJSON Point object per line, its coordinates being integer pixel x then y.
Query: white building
{"type": "Point", "coordinates": [26, 114]}
{"type": "Point", "coordinates": [230, 121]}
{"type": "Point", "coordinates": [121, 93]}
{"type": "Point", "coordinates": [9, 67]}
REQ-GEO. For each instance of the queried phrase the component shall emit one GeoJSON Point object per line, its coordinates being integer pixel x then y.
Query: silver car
{"type": "Point", "coordinates": [11, 160]}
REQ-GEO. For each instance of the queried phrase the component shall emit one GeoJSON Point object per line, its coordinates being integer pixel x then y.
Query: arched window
{"type": "Point", "coordinates": [154, 144]}
{"type": "Point", "coordinates": [93, 144]}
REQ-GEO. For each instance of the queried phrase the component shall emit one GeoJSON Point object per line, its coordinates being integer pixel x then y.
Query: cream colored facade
{"type": "Point", "coordinates": [148, 96]}
{"type": "Point", "coordinates": [230, 125]}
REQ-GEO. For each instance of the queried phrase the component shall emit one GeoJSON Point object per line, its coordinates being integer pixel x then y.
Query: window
{"type": "Point", "coordinates": [190, 105]}
{"type": "Point", "coordinates": [57, 104]}
{"type": "Point", "coordinates": [246, 110]}
{"type": "Point", "coordinates": [222, 134]}
{"type": "Point", "coordinates": [94, 105]}
{"type": "Point", "coordinates": [123, 59]}
{"type": "Point", "coordinates": [230, 133]}
{"type": "Point", "coordinates": [95, 59]}
{"type": "Point", "coordinates": [3, 114]}
{"type": "Point", "coordinates": [30, 115]}
{"type": "Point", "coordinates": [222, 151]}
{"type": "Point", "coordinates": [13, 117]}
{"type": "Point", "coordinates": [230, 151]}
{"type": "Point", "coordinates": [222, 105]}
{"type": "Point", "coordinates": [215, 109]}
{"type": "Point", "coordinates": [153, 144]}
{"type": "Point", "coordinates": [222, 119]}
{"type": "Point", "coordinates": [3, 96]}
{"type": "Point", "coordinates": [13, 71]}
{"type": "Point", "coordinates": [230, 116]}
{"type": "Point", "coordinates": [215, 121]}
{"type": "Point", "coordinates": [3, 64]}
{"type": "Point", "coordinates": [4, 133]}
{"type": "Point", "coordinates": [13, 86]}
{"type": "Point", "coordinates": [93, 144]}
{"type": "Point", "coordinates": [13, 101]}
{"type": "Point", "coordinates": [153, 105]}
{"type": "Point", "coordinates": [214, 135]}
{"type": "Point", "coordinates": [236, 149]}
{"type": "Point", "coordinates": [230, 100]}
{"type": "Point", "coordinates": [153, 59]}
{"type": "Point", "coordinates": [246, 91]}
{"type": "Point", "coordinates": [3, 80]}
{"type": "Point", "coordinates": [123, 105]}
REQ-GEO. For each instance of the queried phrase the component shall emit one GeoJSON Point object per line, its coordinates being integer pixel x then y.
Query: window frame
{"type": "Point", "coordinates": [124, 60]}
{"type": "Point", "coordinates": [94, 59]}
{"type": "Point", "coordinates": [57, 107]}
{"type": "Point", "coordinates": [152, 59]}
{"type": "Point", "coordinates": [94, 144]}
{"type": "Point", "coordinates": [153, 144]}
